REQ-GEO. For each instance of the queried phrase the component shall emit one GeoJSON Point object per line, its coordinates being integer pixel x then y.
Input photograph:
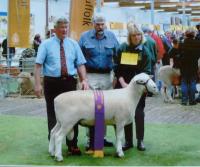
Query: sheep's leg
{"type": "Point", "coordinates": [70, 135]}
{"type": "Point", "coordinates": [119, 138]}
{"type": "Point", "coordinates": [169, 93]}
{"type": "Point", "coordinates": [52, 139]}
{"type": "Point", "coordinates": [58, 145]}
{"type": "Point", "coordinates": [61, 133]}
{"type": "Point", "coordinates": [163, 93]}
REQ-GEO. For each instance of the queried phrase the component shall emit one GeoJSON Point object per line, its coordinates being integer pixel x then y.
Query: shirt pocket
{"type": "Point", "coordinates": [52, 58]}
{"type": "Point", "coordinates": [90, 50]}
{"type": "Point", "coordinates": [109, 50]}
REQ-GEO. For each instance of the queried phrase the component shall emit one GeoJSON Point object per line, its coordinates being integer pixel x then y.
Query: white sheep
{"type": "Point", "coordinates": [165, 74]}
{"type": "Point", "coordinates": [26, 83]}
{"type": "Point", "coordinates": [120, 104]}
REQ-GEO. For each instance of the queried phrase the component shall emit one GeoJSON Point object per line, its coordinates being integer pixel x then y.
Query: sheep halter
{"type": "Point", "coordinates": [99, 124]}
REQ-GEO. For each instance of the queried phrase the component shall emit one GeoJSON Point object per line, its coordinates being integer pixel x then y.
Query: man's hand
{"type": "Point", "coordinates": [84, 85]}
{"type": "Point", "coordinates": [38, 90]}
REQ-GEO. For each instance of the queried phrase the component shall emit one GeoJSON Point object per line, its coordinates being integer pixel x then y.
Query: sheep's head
{"type": "Point", "coordinates": [146, 81]}
{"type": "Point", "coordinates": [23, 77]}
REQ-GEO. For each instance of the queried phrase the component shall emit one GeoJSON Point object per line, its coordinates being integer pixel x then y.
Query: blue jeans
{"type": "Point", "coordinates": [9, 59]}
{"type": "Point", "coordinates": [188, 88]}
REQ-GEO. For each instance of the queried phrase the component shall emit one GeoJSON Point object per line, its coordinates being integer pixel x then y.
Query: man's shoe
{"type": "Point", "coordinates": [127, 146]}
{"type": "Point", "coordinates": [108, 143]}
{"type": "Point", "coordinates": [74, 151]}
{"type": "Point", "coordinates": [140, 145]}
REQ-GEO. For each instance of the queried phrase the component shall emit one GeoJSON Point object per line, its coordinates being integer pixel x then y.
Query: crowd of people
{"type": "Point", "coordinates": [101, 63]}
{"type": "Point", "coordinates": [9, 52]}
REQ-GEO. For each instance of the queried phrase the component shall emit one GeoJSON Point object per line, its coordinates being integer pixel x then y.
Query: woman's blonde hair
{"type": "Point", "coordinates": [134, 29]}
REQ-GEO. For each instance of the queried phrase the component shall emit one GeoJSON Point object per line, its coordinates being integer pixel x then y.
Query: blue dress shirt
{"type": "Point", "coordinates": [49, 56]}
{"type": "Point", "coordinates": [99, 52]}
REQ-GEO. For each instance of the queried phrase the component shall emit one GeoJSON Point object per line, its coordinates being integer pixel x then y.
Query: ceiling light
{"type": "Point", "coordinates": [186, 9]}
{"type": "Point", "coordinates": [159, 10]}
{"type": "Point", "coordinates": [112, 4]}
{"type": "Point", "coordinates": [195, 11]}
{"type": "Point", "coordinates": [194, 4]}
{"type": "Point", "coordinates": [133, 7]}
{"type": "Point", "coordinates": [142, 1]}
{"type": "Point", "coordinates": [172, 12]}
{"type": "Point", "coordinates": [174, 0]}
{"type": "Point", "coordinates": [167, 6]}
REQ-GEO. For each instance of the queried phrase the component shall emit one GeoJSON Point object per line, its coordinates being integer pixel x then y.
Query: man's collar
{"type": "Point", "coordinates": [58, 39]}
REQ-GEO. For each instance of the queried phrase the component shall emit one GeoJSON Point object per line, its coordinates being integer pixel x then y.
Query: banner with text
{"type": "Point", "coordinates": [19, 23]}
{"type": "Point", "coordinates": [81, 17]}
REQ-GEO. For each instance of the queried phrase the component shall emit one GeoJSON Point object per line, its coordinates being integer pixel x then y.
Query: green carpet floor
{"type": "Point", "coordinates": [23, 140]}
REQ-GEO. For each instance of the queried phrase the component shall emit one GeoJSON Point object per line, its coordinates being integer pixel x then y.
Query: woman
{"type": "Point", "coordinates": [133, 58]}
{"type": "Point", "coordinates": [36, 43]}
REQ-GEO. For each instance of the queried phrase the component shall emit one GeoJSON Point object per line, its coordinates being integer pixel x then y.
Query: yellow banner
{"type": "Point", "coordinates": [116, 25]}
{"type": "Point", "coordinates": [19, 23]}
{"type": "Point", "coordinates": [81, 17]}
{"type": "Point", "coordinates": [129, 58]}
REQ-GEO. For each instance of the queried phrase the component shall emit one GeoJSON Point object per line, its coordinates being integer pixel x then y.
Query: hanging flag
{"type": "Point", "coordinates": [81, 17]}
{"type": "Point", "coordinates": [19, 23]}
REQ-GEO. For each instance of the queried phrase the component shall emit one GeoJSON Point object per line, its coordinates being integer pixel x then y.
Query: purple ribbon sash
{"type": "Point", "coordinates": [99, 121]}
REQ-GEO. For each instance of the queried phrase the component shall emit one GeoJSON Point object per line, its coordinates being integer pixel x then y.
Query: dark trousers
{"type": "Point", "coordinates": [188, 89]}
{"type": "Point", "coordinates": [139, 123]}
{"type": "Point", "coordinates": [52, 88]}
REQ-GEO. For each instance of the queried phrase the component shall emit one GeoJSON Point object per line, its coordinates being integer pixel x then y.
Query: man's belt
{"type": "Point", "coordinates": [68, 77]}
{"type": "Point", "coordinates": [99, 71]}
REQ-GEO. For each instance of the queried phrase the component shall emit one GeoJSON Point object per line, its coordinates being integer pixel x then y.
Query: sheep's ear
{"type": "Point", "coordinates": [151, 76]}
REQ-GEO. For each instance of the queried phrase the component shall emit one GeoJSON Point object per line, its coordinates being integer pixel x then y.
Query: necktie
{"type": "Point", "coordinates": [63, 60]}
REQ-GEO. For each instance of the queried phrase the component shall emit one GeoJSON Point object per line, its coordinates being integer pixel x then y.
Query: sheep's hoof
{"type": "Point", "coordinates": [59, 159]}
{"type": "Point", "coordinates": [166, 101]}
{"type": "Point", "coordinates": [89, 152]}
{"type": "Point", "coordinates": [171, 101]}
{"type": "Point", "coordinates": [120, 154]}
{"type": "Point", "coordinates": [52, 153]}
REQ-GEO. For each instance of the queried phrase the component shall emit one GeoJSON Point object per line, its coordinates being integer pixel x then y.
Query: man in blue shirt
{"type": "Point", "coordinates": [61, 59]}
{"type": "Point", "coordinates": [99, 46]}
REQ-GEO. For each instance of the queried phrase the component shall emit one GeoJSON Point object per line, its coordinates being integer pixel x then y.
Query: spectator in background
{"type": "Point", "coordinates": [166, 39]}
{"type": "Point", "coordinates": [174, 54]}
{"type": "Point", "coordinates": [151, 45]}
{"type": "Point", "coordinates": [159, 44]}
{"type": "Point", "coordinates": [189, 51]}
{"type": "Point", "coordinates": [36, 43]}
{"type": "Point", "coordinates": [198, 81]}
{"type": "Point", "coordinates": [6, 55]}
{"type": "Point", "coordinates": [175, 62]}
{"type": "Point", "coordinates": [160, 53]}
{"type": "Point", "coordinates": [198, 33]}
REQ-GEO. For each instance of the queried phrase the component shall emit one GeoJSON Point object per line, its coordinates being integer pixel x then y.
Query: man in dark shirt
{"type": "Point", "coordinates": [5, 54]}
{"type": "Point", "coordinates": [198, 33]}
